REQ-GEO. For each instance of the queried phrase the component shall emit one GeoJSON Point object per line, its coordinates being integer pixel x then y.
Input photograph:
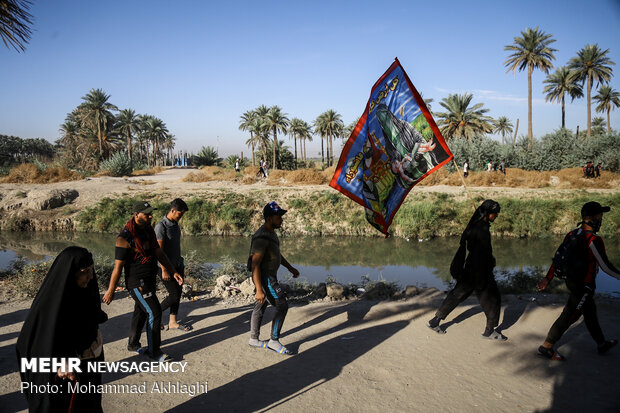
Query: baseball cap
{"type": "Point", "coordinates": [143, 207]}
{"type": "Point", "coordinates": [272, 209]}
{"type": "Point", "coordinates": [589, 209]}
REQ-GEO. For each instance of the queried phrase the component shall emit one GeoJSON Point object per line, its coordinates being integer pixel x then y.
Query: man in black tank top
{"type": "Point", "coordinates": [137, 252]}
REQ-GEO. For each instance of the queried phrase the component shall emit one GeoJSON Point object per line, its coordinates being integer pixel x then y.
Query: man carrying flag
{"type": "Point", "coordinates": [395, 145]}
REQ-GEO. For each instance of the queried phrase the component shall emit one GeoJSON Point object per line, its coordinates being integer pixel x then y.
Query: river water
{"type": "Point", "coordinates": [346, 259]}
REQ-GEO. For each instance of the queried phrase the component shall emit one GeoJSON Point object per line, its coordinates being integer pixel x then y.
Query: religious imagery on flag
{"type": "Point", "coordinates": [395, 145]}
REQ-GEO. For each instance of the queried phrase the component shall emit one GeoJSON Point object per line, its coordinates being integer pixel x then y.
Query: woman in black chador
{"type": "Point", "coordinates": [64, 322]}
{"type": "Point", "coordinates": [477, 275]}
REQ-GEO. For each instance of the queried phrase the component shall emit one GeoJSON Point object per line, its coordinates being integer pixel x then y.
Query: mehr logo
{"type": "Point", "coordinates": [50, 365]}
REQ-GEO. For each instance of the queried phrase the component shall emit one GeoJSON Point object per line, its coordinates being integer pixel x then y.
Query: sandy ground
{"type": "Point", "coordinates": [169, 184]}
{"type": "Point", "coordinates": [358, 356]}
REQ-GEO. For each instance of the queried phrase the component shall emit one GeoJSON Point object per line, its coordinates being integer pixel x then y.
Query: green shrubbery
{"type": "Point", "coordinates": [557, 150]}
{"type": "Point", "coordinates": [118, 164]}
{"type": "Point", "coordinates": [328, 213]}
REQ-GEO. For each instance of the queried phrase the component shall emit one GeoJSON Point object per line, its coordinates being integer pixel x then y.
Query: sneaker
{"type": "Point", "coordinates": [433, 324]}
{"type": "Point", "coordinates": [495, 335]}
{"type": "Point", "coordinates": [133, 347]}
{"type": "Point", "coordinates": [606, 346]}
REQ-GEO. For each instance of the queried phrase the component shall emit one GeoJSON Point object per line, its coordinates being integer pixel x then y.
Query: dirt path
{"type": "Point", "coordinates": [357, 356]}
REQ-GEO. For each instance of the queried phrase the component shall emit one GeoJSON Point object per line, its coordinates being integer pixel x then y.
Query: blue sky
{"type": "Point", "coordinates": [198, 65]}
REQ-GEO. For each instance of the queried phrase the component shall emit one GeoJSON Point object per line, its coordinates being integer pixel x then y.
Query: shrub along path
{"type": "Point", "coordinates": [233, 207]}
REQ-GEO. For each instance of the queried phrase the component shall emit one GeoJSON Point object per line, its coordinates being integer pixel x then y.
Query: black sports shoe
{"type": "Point", "coordinates": [133, 347]}
{"type": "Point", "coordinates": [604, 348]}
{"type": "Point", "coordinates": [433, 324]}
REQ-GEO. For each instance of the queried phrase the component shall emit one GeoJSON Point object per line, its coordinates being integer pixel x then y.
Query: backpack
{"type": "Point", "coordinates": [457, 266]}
{"type": "Point", "coordinates": [570, 259]}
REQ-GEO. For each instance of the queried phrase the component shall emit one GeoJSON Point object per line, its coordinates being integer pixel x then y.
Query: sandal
{"type": "Point", "coordinates": [606, 346]}
{"type": "Point", "coordinates": [550, 354]}
{"type": "Point", "coordinates": [278, 347]}
{"type": "Point", "coordinates": [257, 343]}
{"type": "Point", "coordinates": [185, 327]}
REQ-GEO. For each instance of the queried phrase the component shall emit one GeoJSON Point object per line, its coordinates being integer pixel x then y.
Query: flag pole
{"type": "Point", "coordinates": [464, 184]}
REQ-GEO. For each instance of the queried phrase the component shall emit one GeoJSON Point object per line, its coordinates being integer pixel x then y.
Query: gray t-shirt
{"type": "Point", "coordinates": [170, 232]}
{"type": "Point", "coordinates": [267, 243]}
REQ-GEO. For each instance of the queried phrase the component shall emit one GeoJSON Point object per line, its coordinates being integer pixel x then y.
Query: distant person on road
{"type": "Point", "coordinates": [478, 273]}
{"type": "Point", "coordinates": [168, 235]}
{"type": "Point", "coordinates": [261, 169]}
{"type": "Point", "coordinates": [237, 165]}
{"type": "Point", "coordinates": [592, 256]}
{"type": "Point", "coordinates": [597, 170]}
{"type": "Point", "coordinates": [265, 261]}
{"type": "Point", "coordinates": [466, 169]}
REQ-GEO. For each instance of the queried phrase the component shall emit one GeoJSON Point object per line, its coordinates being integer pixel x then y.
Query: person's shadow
{"type": "Point", "coordinates": [276, 384]}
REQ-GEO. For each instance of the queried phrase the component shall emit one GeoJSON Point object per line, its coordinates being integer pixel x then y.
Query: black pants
{"type": "Point", "coordinates": [147, 310]}
{"type": "Point", "coordinates": [174, 293]}
{"type": "Point", "coordinates": [276, 297]}
{"type": "Point", "coordinates": [580, 302]}
{"type": "Point", "coordinates": [489, 298]}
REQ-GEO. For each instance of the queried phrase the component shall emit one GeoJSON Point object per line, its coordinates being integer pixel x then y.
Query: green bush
{"type": "Point", "coordinates": [207, 156]}
{"type": "Point", "coordinates": [118, 164]}
{"type": "Point", "coordinates": [557, 150]}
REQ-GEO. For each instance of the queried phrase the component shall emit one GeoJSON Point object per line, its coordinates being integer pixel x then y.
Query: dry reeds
{"type": "Point", "coordinates": [211, 173]}
{"type": "Point", "coordinates": [519, 178]}
{"type": "Point", "coordinates": [154, 170]}
{"type": "Point", "coordinates": [28, 173]}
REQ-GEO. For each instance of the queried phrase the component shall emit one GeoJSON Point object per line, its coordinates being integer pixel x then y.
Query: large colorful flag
{"type": "Point", "coordinates": [395, 145]}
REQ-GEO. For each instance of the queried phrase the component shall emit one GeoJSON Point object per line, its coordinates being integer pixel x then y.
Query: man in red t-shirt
{"type": "Point", "coordinates": [581, 298]}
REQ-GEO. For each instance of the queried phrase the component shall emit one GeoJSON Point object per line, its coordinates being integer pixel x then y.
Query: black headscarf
{"type": "Point", "coordinates": [487, 207]}
{"type": "Point", "coordinates": [63, 319]}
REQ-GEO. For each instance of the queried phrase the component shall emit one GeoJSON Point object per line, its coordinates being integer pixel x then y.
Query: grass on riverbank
{"type": "Point", "coordinates": [421, 216]}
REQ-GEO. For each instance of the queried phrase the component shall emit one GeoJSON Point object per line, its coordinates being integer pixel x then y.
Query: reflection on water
{"type": "Point", "coordinates": [346, 259]}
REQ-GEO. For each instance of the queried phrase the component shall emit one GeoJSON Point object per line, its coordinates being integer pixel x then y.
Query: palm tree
{"type": "Point", "coordinates": [598, 126]}
{"type": "Point", "coordinates": [246, 124]}
{"type": "Point", "coordinates": [328, 125]}
{"type": "Point", "coordinates": [427, 102]}
{"type": "Point", "coordinates": [127, 124]}
{"type": "Point", "coordinates": [156, 131]}
{"type": "Point", "coordinates": [300, 130]}
{"type": "Point", "coordinates": [96, 111]}
{"type": "Point", "coordinates": [608, 99]}
{"type": "Point", "coordinates": [306, 137]}
{"type": "Point", "coordinates": [559, 83]}
{"type": "Point", "coordinates": [530, 51]}
{"type": "Point", "coordinates": [503, 126]}
{"type": "Point", "coordinates": [15, 23]}
{"type": "Point", "coordinates": [591, 65]}
{"type": "Point", "coordinates": [294, 129]}
{"type": "Point", "coordinates": [348, 130]}
{"type": "Point", "coordinates": [461, 121]}
{"type": "Point", "coordinates": [276, 121]}
{"type": "Point", "coordinates": [168, 145]}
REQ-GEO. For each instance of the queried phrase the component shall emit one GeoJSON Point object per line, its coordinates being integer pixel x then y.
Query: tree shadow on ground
{"type": "Point", "coordinates": [585, 382]}
{"type": "Point", "coordinates": [276, 384]}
